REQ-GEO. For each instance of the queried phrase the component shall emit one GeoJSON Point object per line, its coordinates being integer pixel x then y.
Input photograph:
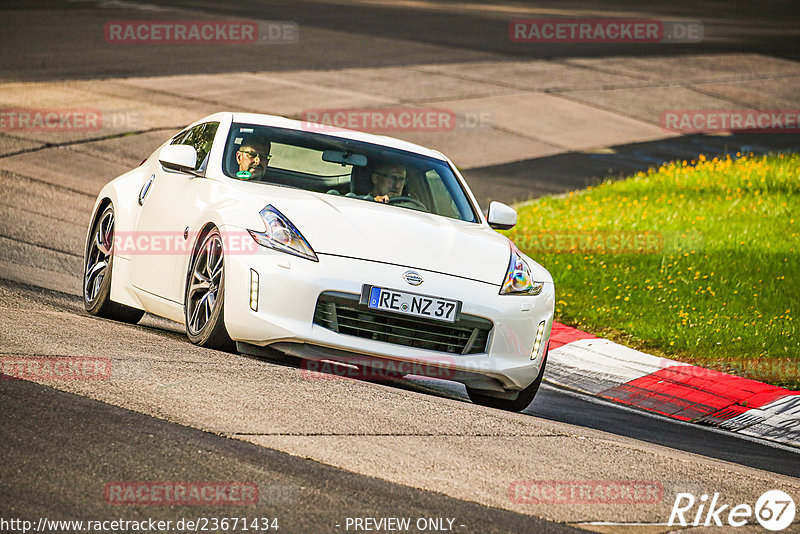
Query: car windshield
{"type": "Point", "coordinates": [343, 167]}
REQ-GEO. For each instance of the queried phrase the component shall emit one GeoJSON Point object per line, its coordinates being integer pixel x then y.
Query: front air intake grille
{"type": "Point", "coordinates": [342, 313]}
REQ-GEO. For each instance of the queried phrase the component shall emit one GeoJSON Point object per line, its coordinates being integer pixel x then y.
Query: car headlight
{"type": "Point", "coordinates": [518, 280]}
{"type": "Point", "coordinates": [282, 235]}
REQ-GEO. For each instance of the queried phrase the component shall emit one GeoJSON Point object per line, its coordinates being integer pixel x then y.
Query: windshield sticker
{"type": "Point", "coordinates": [244, 175]}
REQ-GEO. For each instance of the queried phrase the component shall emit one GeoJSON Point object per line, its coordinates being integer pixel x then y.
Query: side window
{"type": "Point", "coordinates": [200, 137]}
{"type": "Point", "coordinates": [178, 139]}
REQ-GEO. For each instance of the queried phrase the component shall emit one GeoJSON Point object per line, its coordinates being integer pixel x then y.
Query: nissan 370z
{"type": "Point", "coordinates": [262, 233]}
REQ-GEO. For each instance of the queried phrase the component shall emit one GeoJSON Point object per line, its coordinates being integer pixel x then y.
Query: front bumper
{"type": "Point", "coordinates": [289, 288]}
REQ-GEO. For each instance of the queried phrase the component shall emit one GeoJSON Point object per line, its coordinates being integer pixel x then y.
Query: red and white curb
{"type": "Point", "coordinates": [586, 363]}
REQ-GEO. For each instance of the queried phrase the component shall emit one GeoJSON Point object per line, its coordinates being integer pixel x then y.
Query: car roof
{"type": "Point", "coordinates": [305, 126]}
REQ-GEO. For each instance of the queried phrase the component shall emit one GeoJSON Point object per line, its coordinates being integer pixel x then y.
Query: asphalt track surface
{"type": "Point", "coordinates": [61, 448]}
{"type": "Point", "coordinates": [46, 40]}
{"type": "Point", "coordinates": [551, 403]}
{"type": "Point", "coordinates": [79, 445]}
{"type": "Point", "coordinates": [565, 406]}
{"type": "Point", "coordinates": [379, 34]}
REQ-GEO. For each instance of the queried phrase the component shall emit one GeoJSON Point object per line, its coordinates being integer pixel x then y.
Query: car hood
{"type": "Point", "coordinates": [366, 230]}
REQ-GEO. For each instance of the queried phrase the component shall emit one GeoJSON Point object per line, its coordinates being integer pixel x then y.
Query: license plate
{"type": "Point", "coordinates": [392, 300]}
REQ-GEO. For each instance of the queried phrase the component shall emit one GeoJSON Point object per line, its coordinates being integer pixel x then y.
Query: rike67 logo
{"type": "Point", "coordinates": [774, 510]}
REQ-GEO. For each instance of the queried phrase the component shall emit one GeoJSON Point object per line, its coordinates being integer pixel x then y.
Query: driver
{"type": "Point", "coordinates": [253, 157]}
{"type": "Point", "coordinates": [388, 181]}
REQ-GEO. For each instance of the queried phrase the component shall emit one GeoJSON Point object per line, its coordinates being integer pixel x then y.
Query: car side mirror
{"type": "Point", "coordinates": [501, 217]}
{"type": "Point", "coordinates": [180, 158]}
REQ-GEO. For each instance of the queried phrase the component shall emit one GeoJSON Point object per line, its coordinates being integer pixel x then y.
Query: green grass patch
{"type": "Point", "coordinates": [693, 260]}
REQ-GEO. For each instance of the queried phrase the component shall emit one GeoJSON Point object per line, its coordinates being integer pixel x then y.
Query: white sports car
{"type": "Point", "coordinates": [325, 244]}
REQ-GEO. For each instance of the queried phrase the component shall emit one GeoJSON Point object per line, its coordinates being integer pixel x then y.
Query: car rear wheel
{"type": "Point", "coordinates": [205, 295]}
{"type": "Point", "coordinates": [522, 401]}
{"type": "Point", "coordinates": [97, 264]}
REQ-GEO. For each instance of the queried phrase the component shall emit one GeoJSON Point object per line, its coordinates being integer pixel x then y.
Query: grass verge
{"type": "Point", "coordinates": [694, 260]}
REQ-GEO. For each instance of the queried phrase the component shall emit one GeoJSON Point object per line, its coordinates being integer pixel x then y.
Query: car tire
{"type": "Point", "coordinates": [98, 261]}
{"type": "Point", "coordinates": [204, 308]}
{"type": "Point", "coordinates": [522, 401]}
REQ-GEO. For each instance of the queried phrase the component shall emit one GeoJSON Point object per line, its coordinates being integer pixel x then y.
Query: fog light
{"type": "Point", "coordinates": [253, 290]}
{"type": "Point", "coordinates": [538, 342]}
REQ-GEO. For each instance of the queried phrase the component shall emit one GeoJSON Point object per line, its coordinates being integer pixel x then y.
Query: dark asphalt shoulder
{"type": "Point", "coordinates": [60, 450]}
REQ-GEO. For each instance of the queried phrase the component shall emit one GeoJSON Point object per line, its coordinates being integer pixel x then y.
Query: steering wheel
{"type": "Point", "coordinates": [412, 202]}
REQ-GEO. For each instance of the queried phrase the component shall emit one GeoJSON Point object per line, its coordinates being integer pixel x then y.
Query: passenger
{"type": "Point", "coordinates": [253, 157]}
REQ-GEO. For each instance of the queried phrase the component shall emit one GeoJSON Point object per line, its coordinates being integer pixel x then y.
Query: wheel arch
{"type": "Point", "coordinates": [99, 205]}
{"type": "Point", "coordinates": [121, 291]}
{"type": "Point", "coordinates": [101, 303]}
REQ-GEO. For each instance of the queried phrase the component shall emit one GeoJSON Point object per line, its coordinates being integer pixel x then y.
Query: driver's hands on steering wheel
{"type": "Point", "coordinates": [408, 201]}
{"type": "Point", "coordinates": [414, 203]}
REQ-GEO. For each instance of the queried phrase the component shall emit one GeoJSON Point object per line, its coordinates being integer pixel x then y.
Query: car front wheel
{"type": "Point", "coordinates": [205, 295]}
{"type": "Point", "coordinates": [522, 401]}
